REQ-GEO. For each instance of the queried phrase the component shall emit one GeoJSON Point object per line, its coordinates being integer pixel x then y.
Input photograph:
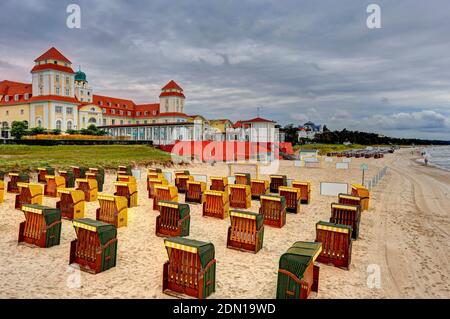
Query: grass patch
{"type": "Point", "coordinates": [327, 148]}
{"type": "Point", "coordinates": [25, 157]}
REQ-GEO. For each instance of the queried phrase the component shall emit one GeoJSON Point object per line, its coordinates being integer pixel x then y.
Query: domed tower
{"type": "Point", "coordinates": [82, 89]}
{"type": "Point", "coordinates": [171, 98]}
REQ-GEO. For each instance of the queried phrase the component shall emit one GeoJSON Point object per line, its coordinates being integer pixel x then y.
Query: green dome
{"type": "Point", "coordinates": [80, 76]}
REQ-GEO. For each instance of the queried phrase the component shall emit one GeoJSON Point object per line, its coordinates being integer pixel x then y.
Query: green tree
{"type": "Point", "coordinates": [19, 129]}
{"type": "Point", "coordinates": [37, 130]}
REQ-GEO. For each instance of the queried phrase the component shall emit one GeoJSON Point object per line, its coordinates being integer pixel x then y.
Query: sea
{"type": "Point", "coordinates": [438, 156]}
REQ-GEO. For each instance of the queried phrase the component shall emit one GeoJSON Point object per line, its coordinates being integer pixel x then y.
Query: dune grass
{"type": "Point", "coordinates": [326, 148]}
{"type": "Point", "coordinates": [24, 157]}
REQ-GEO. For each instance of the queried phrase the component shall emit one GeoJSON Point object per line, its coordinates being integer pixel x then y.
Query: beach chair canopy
{"type": "Point", "coordinates": [183, 209]}
{"type": "Point", "coordinates": [278, 198]}
{"type": "Point", "coordinates": [299, 256]}
{"type": "Point", "coordinates": [105, 231]}
{"type": "Point", "coordinates": [203, 249]}
{"type": "Point", "coordinates": [339, 228]}
{"type": "Point", "coordinates": [250, 215]}
{"type": "Point", "coordinates": [50, 214]}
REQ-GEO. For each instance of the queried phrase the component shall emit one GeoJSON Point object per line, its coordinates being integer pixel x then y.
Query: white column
{"type": "Point", "coordinates": [32, 116]}
{"type": "Point", "coordinates": [64, 125]}
{"type": "Point", "coordinates": [46, 116]}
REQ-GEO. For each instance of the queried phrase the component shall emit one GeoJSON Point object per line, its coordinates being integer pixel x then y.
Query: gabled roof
{"type": "Point", "coordinates": [173, 114]}
{"type": "Point", "coordinates": [258, 120]}
{"type": "Point", "coordinates": [172, 85]}
{"type": "Point", "coordinates": [10, 88]}
{"type": "Point", "coordinates": [52, 54]}
{"type": "Point", "coordinates": [59, 98]}
{"type": "Point", "coordinates": [171, 94]}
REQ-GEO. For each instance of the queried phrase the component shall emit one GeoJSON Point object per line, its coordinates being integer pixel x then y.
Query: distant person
{"type": "Point", "coordinates": [426, 161]}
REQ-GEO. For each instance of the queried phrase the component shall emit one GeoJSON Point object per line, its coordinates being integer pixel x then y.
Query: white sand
{"type": "Point", "coordinates": [405, 233]}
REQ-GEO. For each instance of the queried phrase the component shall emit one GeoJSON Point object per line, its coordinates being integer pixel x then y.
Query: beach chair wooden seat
{"type": "Point", "coordinates": [305, 191]}
{"type": "Point", "coordinates": [349, 199]}
{"type": "Point", "coordinates": [181, 181]}
{"type": "Point", "coordinates": [15, 178]}
{"type": "Point", "coordinates": [89, 188]}
{"type": "Point", "coordinates": [195, 191]}
{"type": "Point", "coordinates": [29, 193]}
{"type": "Point", "coordinates": [277, 181]}
{"type": "Point", "coordinates": [79, 171]}
{"type": "Point", "coordinates": [246, 231]}
{"type": "Point", "coordinates": [128, 190]}
{"type": "Point", "coordinates": [191, 268]}
{"type": "Point", "coordinates": [95, 249]}
{"type": "Point", "coordinates": [151, 183]}
{"type": "Point", "coordinates": [346, 215]}
{"type": "Point", "coordinates": [71, 203]}
{"type": "Point", "coordinates": [153, 175]}
{"type": "Point", "coordinates": [219, 183]}
{"type": "Point", "coordinates": [42, 226]}
{"type": "Point", "coordinates": [336, 242]}
{"type": "Point", "coordinates": [164, 192]}
{"type": "Point", "coordinates": [2, 191]}
{"type": "Point", "coordinates": [242, 178]}
{"type": "Point", "coordinates": [240, 196]}
{"type": "Point", "coordinates": [173, 220]}
{"type": "Point", "coordinates": [273, 208]}
{"type": "Point", "coordinates": [44, 171]}
{"type": "Point", "coordinates": [259, 187]}
{"type": "Point", "coordinates": [52, 184]}
{"type": "Point", "coordinates": [216, 204]}
{"type": "Point", "coordinates": [124, 170]}
{"type": "Point", "coordinates": [293, 199]}
{"type": "Point", "coordinates": [113, 210]}
{"type": "Point", "coordinates": [69, 178]}
{"type": "Point", "coordinates": [297, 273]}
{"type": "Point", "coordinates": [363, 192]}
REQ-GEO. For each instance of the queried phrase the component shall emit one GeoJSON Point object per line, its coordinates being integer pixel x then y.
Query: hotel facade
{"type": "Point", "coordinates": [60, 98]}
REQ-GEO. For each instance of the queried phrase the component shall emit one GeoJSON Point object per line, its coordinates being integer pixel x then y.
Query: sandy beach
{"type": "Point", "coordinates": [406, 233]}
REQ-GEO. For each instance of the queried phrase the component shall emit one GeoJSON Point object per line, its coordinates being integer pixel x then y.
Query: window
{"type": "Point", "coordinates": [67, 92]}
{"type": "Point", "coordinates": [39, 123]}
{"type": "Point", "coordinates": [69, 111]}
{"type": "Point", "coordinates": [57, 78]}
{"type": "Point", "coordinates": [145, 113]}
{"type": "Point", "coordinates": [104, 111]}
{"type": "Point", "coordinates": [92, 109]}
{"type": "Point", "coordinates": [109, 103]}
{"type": "Point", "coordinates": [58, 124]}
{"type": "Point", "coordinates": [145, 121]}
{"type": "Point", "coordinates": [129, 122]}
{"type": "Point", "coordinates": [81, 99]}
{"type": "Point", "coordinates": [67, 80]}
{"type": "Point", "coordinates": [27, 96]}
{"type": "Point", "coordinates": [92, 120]}
{"type": "Point", "coordinates": [121, 122]}
{"type": "Point", "coordinates": [84, 120]}
{"type": "Point", "coordinates": [121, 112]}
{"type": "Point", "coordinates": [154, 121]}
{"type": "Point", "coordinates": [55, 62]}
{"type": "Point", "coordinates": [100, 103]}
{"type": "Point", "coordinates": [40, 91]}
{"type": "Point", "coordinates": [137, 122]}
{"type": "Point", "coordinates": [16, 97]}
{"type": "Point", "coordinates": [69, 125]}
{"type": "Point", "coordinates": [113, 111]}
{"type": "Point", "coordinates": [138, 113]}
{"type": "Point", "coordinates": [154, 112]}
{"type": "Point", "coordinates": [41, 78]}
{"type": "Point", "coordinates": [88, 93]}
{"type": "Point", "coordinates": [129, 113]}
{"type": "Point", "coordinates": [58, 109]}
{"type": "Point", "coordinates": [113, 122]}
{"type": "Point", "coordinates": [7, 113]}
{"type": "Point", "coordinates": [104, 121]}
{"type": "Point", "coordinates": [21, 112]}
{"type": "Point", "coordinates": [57, 91]}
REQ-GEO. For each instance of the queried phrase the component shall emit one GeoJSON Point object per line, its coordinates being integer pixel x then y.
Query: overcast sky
{"type": "Point", "coordinates": [296, 60]}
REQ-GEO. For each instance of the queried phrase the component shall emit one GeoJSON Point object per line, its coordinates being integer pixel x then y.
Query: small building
{"type": "Point", "coordinates": [309, 130]}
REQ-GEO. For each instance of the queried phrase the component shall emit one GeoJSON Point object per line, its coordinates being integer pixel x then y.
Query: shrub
{"type": "Point", "coordinates": [19, 129]}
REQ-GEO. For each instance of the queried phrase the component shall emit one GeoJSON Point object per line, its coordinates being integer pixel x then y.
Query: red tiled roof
{"type": "Point", "coordinates": [51, 66]}
{"type": "Point", "coordinates": [258, 120]}
{"type": "Point", "coordinates": [150, 108]}
{"type": "Point", "coordinates": [171, 94]}
{"type": "Point", "coordinates": [172, 85]}
{"type": "Point", "coordinates": [10, 89]}
{"type": "Point", "coordinates": [54, 98]}
{"type": "Point", "coordinates": [53, 54]}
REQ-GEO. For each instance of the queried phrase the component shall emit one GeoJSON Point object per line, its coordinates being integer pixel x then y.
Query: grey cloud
{"type": "Point", "coordinates": [295, 59]}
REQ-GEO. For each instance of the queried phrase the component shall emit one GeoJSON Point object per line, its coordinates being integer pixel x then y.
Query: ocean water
{"type": "Point", "coordinates": [439, 156]}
